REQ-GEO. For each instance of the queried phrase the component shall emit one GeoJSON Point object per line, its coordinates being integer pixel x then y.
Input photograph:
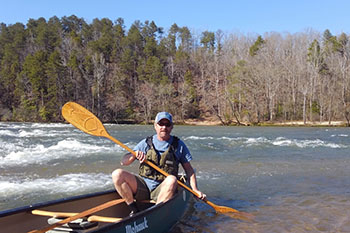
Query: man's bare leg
{"type": "Point", "coordinates": [126, 185]}
{"type": "Point", "coordinates": [167, 189]}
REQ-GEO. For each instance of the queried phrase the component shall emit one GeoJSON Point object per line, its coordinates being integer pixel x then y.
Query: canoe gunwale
{"type": "Point", "coordinates": [174, 209]}
{"type": "Point", "coordinates": [29, 208]}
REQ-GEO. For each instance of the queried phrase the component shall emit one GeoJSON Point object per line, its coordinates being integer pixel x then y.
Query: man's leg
{"type": "Point", "coordinates": [167, 189]}
{"type": "Point", "coordinates": [126, 185]}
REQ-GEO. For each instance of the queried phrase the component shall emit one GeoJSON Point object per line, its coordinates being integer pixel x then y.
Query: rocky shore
{"type": "Point", "coordinates": [212, 122]}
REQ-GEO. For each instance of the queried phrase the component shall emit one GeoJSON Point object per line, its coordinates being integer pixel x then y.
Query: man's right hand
{"type": "Point", "coordinates": [140, 156]}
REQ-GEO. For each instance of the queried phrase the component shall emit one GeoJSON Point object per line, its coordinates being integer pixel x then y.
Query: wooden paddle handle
{"type": "Point", "coordinates": [95, 218]}
{"type": "Point", "coordinates": [119, 143]}
{"type": "Point", "coordinates": [53, 213]}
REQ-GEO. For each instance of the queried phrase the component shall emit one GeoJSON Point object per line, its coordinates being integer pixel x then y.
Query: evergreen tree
{"type": "Point", "coordinates": [12, 44]}
{"type": "Point", "coordinates": [54, 86]}
{"type": "Point", "coordinates": [208, 40]}
{"type": "Point", "coordinates": [253, 50]}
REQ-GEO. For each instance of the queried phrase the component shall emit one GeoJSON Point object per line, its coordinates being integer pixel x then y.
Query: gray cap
{"type": "Point", "coordinates": [164, 115]}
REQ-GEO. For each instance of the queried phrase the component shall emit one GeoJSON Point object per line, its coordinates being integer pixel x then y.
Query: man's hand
{"type": "Point", "coordinates": [140, 156]}
{"type": "Point", "coordinates": [201, 195]}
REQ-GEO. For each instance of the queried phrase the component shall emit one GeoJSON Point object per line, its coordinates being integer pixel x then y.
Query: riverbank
{"type": "Point", "coordinates": [315, 123]}
{"type": "Point", "coordinates": [213, 122]}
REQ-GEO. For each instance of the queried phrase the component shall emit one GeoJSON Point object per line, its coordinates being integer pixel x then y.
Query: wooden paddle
{"type": "Point", "coordinates": [92, 218]}
{"type": "Point", "coordinates": [87, 122]}
{"type": "Point", "coordinates": [79, 215]}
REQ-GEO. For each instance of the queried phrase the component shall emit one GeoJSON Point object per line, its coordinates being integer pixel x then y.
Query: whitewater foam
{"type": "Point", "coordinates": [279, 141]}
{"type": "Point", "coordinates": [305, 143]}
{"type": "Point", "coordinates": [66, 184]}
{"type": "Point", "coordinates": [40, 154]}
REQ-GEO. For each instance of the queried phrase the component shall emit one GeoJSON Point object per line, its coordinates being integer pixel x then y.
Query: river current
{"type": "Point", "coordinates": [292, 179]}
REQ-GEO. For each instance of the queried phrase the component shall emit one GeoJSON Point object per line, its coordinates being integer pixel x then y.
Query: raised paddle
{"type": "Point", "coordinates": [86, 121]}
{"type": "Point", "coordinates": [79, 215]}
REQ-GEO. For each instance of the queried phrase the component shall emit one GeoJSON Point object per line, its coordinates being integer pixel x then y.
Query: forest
{"type": "Point", "coordinates": [128, 75]}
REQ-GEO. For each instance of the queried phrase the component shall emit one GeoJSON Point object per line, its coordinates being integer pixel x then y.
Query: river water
{"type": "Point", "coordinates": [292, 179]}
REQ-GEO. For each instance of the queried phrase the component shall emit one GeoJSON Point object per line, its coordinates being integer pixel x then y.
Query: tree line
{"type": "Point", "coordinates": [129, 75]}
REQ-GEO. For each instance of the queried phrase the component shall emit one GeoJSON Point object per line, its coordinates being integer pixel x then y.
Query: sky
{"type": "Point", "coordinates": [244, 16]}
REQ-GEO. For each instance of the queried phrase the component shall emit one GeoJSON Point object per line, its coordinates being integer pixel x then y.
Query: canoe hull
{"type": "Point", "coordinates": [155, 218]}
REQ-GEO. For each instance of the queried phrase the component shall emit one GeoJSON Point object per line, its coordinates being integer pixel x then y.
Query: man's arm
{"type": "Point", "coordinates": [192, 178]}
{"type": "Point", "coordinates": [129, 158]}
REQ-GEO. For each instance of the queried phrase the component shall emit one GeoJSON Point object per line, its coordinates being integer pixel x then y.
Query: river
{"type": "Point", "coordinates": [292, 179]}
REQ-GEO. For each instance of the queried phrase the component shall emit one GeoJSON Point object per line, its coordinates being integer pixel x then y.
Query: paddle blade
{"type": "Point", "coordinates": [241, 215]}
{"type": "Point", "coordinates": [83, 119]}
{"type": "Point", "coordinates": [233, 213]}
{"type": "Point", "coordinates": [221, 209]}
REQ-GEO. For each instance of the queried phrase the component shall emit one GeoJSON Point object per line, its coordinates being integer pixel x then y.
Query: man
{"type": "Point", "coordinates": [164, 150]}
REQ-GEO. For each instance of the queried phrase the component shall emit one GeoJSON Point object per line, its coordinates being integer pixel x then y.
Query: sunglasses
{"type": "Point", "coordinates": [168, 124]}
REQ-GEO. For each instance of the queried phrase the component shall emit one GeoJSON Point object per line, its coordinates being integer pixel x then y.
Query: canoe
{"type": "Point", "coordinates": [153, 218]}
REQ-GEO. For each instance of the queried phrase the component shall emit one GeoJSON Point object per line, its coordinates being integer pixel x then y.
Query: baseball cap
{"type": "Point", "coordinates": [164, 115]}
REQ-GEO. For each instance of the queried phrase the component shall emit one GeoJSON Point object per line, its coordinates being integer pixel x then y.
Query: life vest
{"type": "Point", "coordinates": [166, 161]}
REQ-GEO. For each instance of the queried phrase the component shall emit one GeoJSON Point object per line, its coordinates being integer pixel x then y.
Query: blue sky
{"type": "Point", "coordinates": [242, 16]}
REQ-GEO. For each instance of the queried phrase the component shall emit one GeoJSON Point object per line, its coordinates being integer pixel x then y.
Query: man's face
{"type": "Point", "coordinates": [163, 129]}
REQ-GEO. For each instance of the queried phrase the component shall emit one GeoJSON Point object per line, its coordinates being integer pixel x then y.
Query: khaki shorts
{"type": "Point", "coordinates": [155, 192]}
{"type": "Point", "coordinates": [143, 193]}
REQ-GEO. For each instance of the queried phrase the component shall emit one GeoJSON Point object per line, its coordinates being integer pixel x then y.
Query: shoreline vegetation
{"type": "Point", "coordinates": [196, 122]}
{"type": "Point", "coordinates": [214, 122]}
{"type": "Point", "coordinates": [126, 75]}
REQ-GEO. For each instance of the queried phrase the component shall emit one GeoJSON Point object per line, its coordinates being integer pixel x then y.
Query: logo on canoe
{"type": "Point", "coordinates": [134, 228]}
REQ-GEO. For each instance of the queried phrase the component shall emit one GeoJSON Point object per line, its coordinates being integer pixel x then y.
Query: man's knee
{"type": "Point", "coordinates": [171, 182]}
{"type": "Point", "coordinates": [118, 175]}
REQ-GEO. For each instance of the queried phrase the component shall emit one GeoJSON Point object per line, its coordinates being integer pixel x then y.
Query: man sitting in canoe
{"type": "Point", "coordinates": [164, 150]}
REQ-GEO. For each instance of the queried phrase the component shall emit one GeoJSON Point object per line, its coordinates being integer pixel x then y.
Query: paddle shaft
{"type": "Point", "coordinates": [79, 215]}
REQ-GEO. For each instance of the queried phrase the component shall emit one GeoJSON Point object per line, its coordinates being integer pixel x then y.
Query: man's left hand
{"type": "Point", "coordinates": [201, 195]}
